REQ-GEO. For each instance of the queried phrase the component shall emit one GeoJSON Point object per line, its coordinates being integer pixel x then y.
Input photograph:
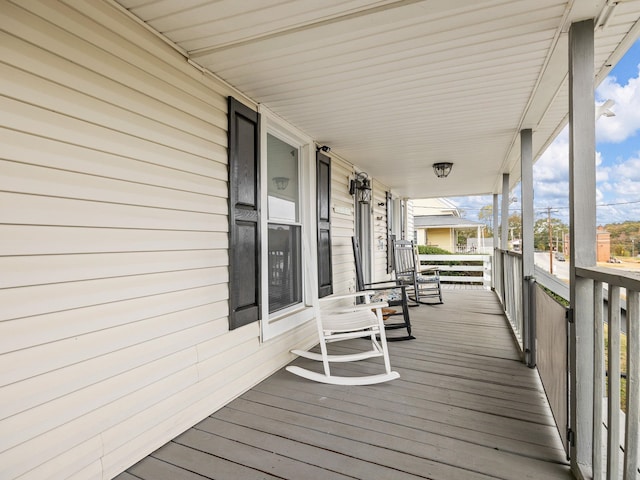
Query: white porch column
{"type": "Point", "coordinates": [582, 235]}
{"type": "Point", "coordinates": [504, 231]}
{"type": "Point", "coordinates": [496, 264]}
{"type": "Point", "coordinates": [526, 185]}
{"type": "Point", "coordinates": [496, 220]}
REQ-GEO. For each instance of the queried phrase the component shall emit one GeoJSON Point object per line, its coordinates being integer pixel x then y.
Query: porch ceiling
{"type": "Point", "coordinates": [396, 85]}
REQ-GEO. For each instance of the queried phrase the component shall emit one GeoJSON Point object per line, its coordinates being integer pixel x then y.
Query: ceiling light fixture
{"type": "Point", "coordinates": [442, 169]}
{"type": "Point", "coordinates": [281, 182]}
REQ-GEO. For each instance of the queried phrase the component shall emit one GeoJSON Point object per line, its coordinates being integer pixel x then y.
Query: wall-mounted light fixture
{"type": "Point", "coordinates": [442, 169]}
{"type": "Point", "coordinates": [324, 148]}
{"type": "Point", "coordinates": [604, 110]}
{"type": "Point", "coordinates": [280, 182]}
{"type": "Point", "coordinates": [361, 187]}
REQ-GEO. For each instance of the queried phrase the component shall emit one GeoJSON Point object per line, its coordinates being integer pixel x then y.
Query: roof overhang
{"type": "Point", "coordinates": [394, 86]}
{"type": "Point", "coordinates": [444, 221]}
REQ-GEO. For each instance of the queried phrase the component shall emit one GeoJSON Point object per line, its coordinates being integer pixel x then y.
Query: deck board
{"type": "Point", "coordinates": [465, 407]}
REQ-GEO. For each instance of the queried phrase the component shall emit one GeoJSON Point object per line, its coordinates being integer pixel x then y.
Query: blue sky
{"type": "Point", "coordinates": [617, 156]}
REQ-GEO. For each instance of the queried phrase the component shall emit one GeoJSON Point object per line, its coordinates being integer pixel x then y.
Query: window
{"type": "Point", "coordinates": [288, 247]}
{"type": "Point", "coordinates": [272, 247]}
{"type": "Point", "coordinates": [284, 249]}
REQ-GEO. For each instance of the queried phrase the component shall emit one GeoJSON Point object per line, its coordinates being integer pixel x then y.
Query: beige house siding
{"type": "Point", "coordinates": [410, 228]}
{"type": "Point", "coordinates": [113, 329]}
{"type": "Point", "coordinates": [379, 222]}
{"type": "Point", "coordinates": [114, 237]}
{"type": "Point", "coordinates": [342, 226]}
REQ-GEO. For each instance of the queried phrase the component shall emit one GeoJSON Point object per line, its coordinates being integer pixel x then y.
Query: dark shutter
{"type": "Point", "coordinates": [244, 214]}
{"type": "Point", "coordinates": [390, 220]}
{"type": "Point", "coordinates": [323, 198]}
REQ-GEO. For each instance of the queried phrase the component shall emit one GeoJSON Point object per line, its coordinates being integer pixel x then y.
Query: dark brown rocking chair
{"type": "Point", "coordinates": [392, 292]}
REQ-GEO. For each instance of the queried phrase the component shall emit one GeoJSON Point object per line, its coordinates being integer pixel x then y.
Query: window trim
{"type": "Point", "coordinates": [277, 323]}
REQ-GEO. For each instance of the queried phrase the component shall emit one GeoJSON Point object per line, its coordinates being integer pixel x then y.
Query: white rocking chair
{"type": "Point", "coordinates": [343, 322]}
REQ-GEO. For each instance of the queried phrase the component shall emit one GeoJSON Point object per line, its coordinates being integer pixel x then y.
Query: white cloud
{"type": "Point", "coordinates": [602, 176]}
{"type": "Point", "coordinates": [551, 177]}
{"type": "Point", "coordinates": [620, 192]}
{"type": "Point", "coordinates": [629, 170]}
{"type": "Point", "coordinates": [553, 164]}
{"type": "Point", "coordinates": [470, 206]}
{"type": "Point", "coordinates": [626, 122]}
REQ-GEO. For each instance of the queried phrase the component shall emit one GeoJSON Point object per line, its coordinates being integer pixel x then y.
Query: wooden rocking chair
{"type": "Point", "coordinates": [338, 321]}
{"type": "Point", "coordinates": [392, 292]}
{"type": "Point", "coordinates": [422, 282]}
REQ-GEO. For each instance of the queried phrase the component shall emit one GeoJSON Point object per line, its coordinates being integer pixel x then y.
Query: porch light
{"type": "Point", "coordinates": [361, 187]}
{"type": "Point", "coordinates": [281, 182]}
{"type": "Point", "coordinates": [604, 110]}
{"type": "Point", "coordinates": [442, 169]}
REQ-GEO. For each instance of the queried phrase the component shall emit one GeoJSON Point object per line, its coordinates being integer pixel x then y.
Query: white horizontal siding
{"type": "Point", "coordinates": [55, 182]}
{"type": "Point", "coordinates": [410, 227]}
{"type": "Point", "coordinates": [46, 328]}
{"type": "Point", "coordinates": [27, 240]}
{"type": "Point", "coordinates": [113, 238]}
{"type": "Point", "coordinates": [88, 161]}
{"type": "Point", "coordinates": [342, 226]}
{"type": "Point", "coordinates": [379, 205]}
{"type": "Point", "coordinates": [56, 211]}
{"type": "Point", "coordinates": [46, 269]}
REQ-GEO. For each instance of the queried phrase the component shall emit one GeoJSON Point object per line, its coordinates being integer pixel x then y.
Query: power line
{"type": "Point", "coordinates": [556, 207]}
{"type": "Point", "coordinates": [618, 203]}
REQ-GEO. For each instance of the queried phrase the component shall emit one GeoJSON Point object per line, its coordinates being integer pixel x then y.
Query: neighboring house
{"type": "Point", "coordinates": [434, 206]}
{"type": "Point", "coordinates": [436, 222]}
{"type": "Point", "coordinates": [603, 245]}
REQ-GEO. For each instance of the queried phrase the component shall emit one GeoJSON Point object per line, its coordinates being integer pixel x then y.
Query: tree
{"type": "Point", "coordinates": [515, 222]}
{"type": "Point", "coordinates": [462, 234]}
{"type": "Point", "coordinates": [486, 216]}
{"type": "Point", "coordinates": [515, 226]}
{"type": "Point", "coordinates": [541, 232]}
{"type": "Point", "coordinates": [625, 238]}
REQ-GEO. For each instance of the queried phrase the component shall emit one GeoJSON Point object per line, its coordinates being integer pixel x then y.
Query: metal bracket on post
{"type": "Point", "coordinates": [569, 315]}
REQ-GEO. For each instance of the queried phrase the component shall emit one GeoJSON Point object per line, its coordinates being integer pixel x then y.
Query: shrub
{"type": "Point", "coordinates": [429, 250]}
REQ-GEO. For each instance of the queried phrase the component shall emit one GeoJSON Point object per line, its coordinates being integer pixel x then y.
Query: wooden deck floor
{"type": "Point", "coordinates": [464, 408]}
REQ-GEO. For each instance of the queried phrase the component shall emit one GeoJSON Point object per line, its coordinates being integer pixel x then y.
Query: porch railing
{"type": "Point", "coordinates": [615, 438]}
{"type": "Point", "coordinates": [468, 269]}
{"type": "Point", "coordinates": [617, 452]}
{"type": "Point", "coordinates": [508, 286]}
{"type": "Point", "coordinates": [548, 352]}
{"type": "Point", "coordinates": [552, 357]}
